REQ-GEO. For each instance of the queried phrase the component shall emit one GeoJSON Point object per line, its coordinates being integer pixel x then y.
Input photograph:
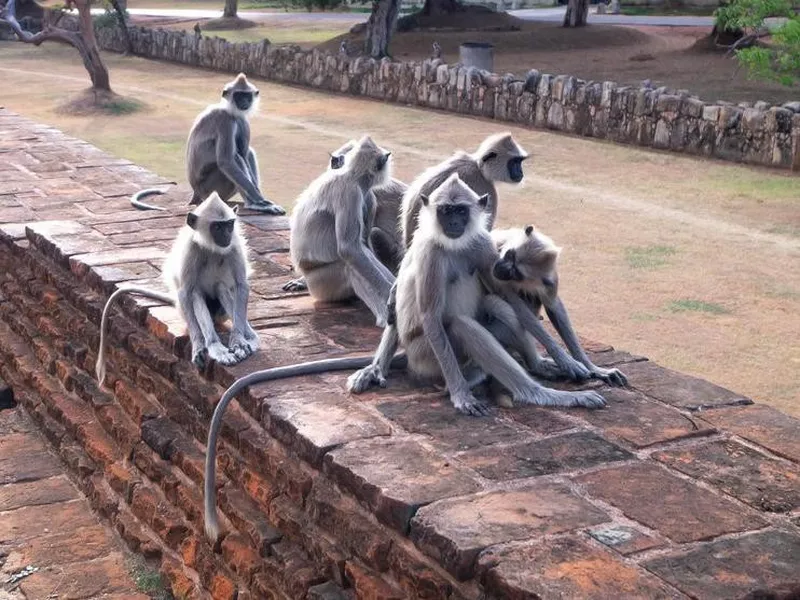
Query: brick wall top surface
{"type": "Point", "coordinates": [679, 488]}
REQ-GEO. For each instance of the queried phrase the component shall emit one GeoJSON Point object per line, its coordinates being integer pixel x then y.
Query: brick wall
{"type": "Point", "coordinates": [656, 118]}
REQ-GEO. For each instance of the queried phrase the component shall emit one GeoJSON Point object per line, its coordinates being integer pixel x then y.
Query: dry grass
{"type": "Point", "coordinates": [690, 262]}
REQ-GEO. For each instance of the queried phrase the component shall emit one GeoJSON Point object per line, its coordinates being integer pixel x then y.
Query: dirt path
{"type": "Point", "coordinates": [693, 263]}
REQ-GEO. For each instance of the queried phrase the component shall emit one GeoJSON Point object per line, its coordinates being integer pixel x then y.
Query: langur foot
{"type": "Point", "coordinates": [574, 371]}
{"type": "Point", "coordinates": [362, 380]}
{"type": "Point", "coordinates": [200, 358]}
{"type": "Point", "coordinates": [218, 352]}
{"type": "Point", "coordinates": [610, 376]}
{"type": "Point", "coordinates": [546, 368]}
{"type": "Point", "coordinates": [240, 346]}
{"type": "Point", "coordinates": [296, 285]}
{"type": "Point", "coordinates": [548, 397]}
{"type": "Point", "coordinates": [266, 207]}
{"type": "Point", "coordinates": [468, 404]}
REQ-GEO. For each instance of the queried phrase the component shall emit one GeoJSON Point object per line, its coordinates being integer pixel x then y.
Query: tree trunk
{"type": "Point", "coordinates": [381, 26]}
{"type": "Point", "coordinates": [231, 8]}
{"type": "Point", "coordinates": [577, 10]}
{"type": "Point", "coordinates": [119, 9]}
{"type": "Point", "coordinates": [434, 8]}
{"type": "Point", "coordinates": [90, 53]}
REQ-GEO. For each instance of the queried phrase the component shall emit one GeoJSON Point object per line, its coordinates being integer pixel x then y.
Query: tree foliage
{"type": "Point", "coordinates": [778, 60]}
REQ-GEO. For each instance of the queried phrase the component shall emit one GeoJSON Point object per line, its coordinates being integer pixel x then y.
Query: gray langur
{"type": "Point", "coordinates": [440, 308]}
{"type": "Point", "coordinates": [330, 228]}
{"type": "Point", "coordinates": [218, 153]}
{"type": "Point", "coordinates": [384, 238]}
{"type": "Point", "coordinates": [526, 272]}
{"type": "Point", "coordinates": [207, 274]}
{"type": "Point", "coordinates": [498, 158]}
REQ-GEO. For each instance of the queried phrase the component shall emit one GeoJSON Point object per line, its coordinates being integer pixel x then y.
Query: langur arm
{"type": "Point", "coordinates": [252, 163]}
{"type": "Point", "coordinates": [228, 162]}
{"type": "Point", "coordinates": [571, 367]}
{"type": "Point", "coordinates": [375, 279]}
{"type": "Point", "coordinates": [202, 334]}
{"type": "Point", "coordinates": [375, 373]}
{"type": "Point", "coordinates": [557, 313]}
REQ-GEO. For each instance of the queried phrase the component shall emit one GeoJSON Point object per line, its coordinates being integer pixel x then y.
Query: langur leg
{"type": "Point", "coordinates": [557, 313]}
{"type": "Point", "coordinates": [476, 342]}
{"type": "Point", "coordinates": [375, 294]}
{"type": "Point", "coordinates": [214, 181]}
{"type": "Point", "coordinates": [504, 325]}
{"type": "Point", "coordinates": [234, 300]}
{"type": "Point", "coordinates": [259, 203]}
{"type": "Point", "coordinates": [329, 283]}
{"type": "Point", "coordinates": [375, 374]}
{"type": "Point", "coordinates": [198, 318]}
{"type": "Point", "coordinates": [252, 164]}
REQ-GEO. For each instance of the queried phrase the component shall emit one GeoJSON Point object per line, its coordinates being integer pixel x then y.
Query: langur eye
{"type": "Point", "coordinates": [256, 93]}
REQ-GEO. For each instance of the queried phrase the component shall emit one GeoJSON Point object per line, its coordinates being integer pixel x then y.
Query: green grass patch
{"type": "Point", "coordinates": [648, 257]}
{"type": "Point", "coordinates": [790, 230]}
{"type": "Point", "coordinates": [661, 11]}
{"type": "Point", "coordinates": [758, 185]}
{"type": "Point", "coordinates": [148, 581]}
{"type": "Point", "coordinates": [697, 306]}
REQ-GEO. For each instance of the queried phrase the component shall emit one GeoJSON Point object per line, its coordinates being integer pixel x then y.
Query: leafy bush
{"type": "Point", "coordinates": [780, 59]}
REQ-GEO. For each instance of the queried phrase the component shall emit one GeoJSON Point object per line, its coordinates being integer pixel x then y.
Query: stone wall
{"type": "Point", "coordinates": [657, 118]}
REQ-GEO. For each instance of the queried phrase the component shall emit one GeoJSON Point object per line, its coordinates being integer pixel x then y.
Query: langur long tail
{"type": "Point", "coordinates": [136, 199]}
{"type": "Point", "coordinates": [307, 368]}
{"type": "Point", "coordinates": [100, 365]}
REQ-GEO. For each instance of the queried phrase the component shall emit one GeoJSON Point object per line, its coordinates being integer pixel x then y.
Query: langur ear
{"type": "Point", "coordinates": [548, 282]}
{"type": "Point", "coordinates": [225, 93]}
{"type": "Point", "coordinates": [425, 200]}
{"type": "Point", "coordinates": [529, 230]}
{"type": "Point", "coordinates": [483, 201]}
{"type": "Point", "coordinates": [256, 92]}
{"type": "Point", "coordinates": [191, 220]}
{"type": "Point", "coordinates": [489, 156]}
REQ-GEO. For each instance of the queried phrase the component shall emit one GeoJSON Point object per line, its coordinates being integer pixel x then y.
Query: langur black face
{"type": "Point", "coordinates": [515, 169]}
{"type": "Point", "coordinates": [505, 269]}
{"type": "Point", "coordinates": [244, 100]}
{"type": "Point", "coordinates": [453, 219]}
{"type": "Point", "coordinates": [381, 162]}
{"type": "Point", "coordinates": [337, 161]}
{"type": "Point", "coordinates": [222, 232]}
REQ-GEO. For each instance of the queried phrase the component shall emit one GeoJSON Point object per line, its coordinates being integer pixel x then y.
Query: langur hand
{"type": "Point", "coordinates": [296, 285]}
{"type": "Point", "coordinates": [467, 404]}
{"type": "Point", "coordinates": [239, 346]}
{"type": "Point", "coordinates": [610, 376]}
{"type": "Point", "coordinates": [362, 380]}
{"type": "Point", "coordinates": [572, 369]}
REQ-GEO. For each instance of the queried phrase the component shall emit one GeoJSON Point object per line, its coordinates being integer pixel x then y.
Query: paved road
{"type": "Point", "coordinates": [551, 15]}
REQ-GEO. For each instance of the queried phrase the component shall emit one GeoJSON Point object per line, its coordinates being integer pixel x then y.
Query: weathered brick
{"type": "Point", "coordinates": [136, 404]}
{"type": "Point", "coordinates": [395, 476]}
{"type": "Point", "coordinates": [763, 425]}
{"type": "Point", "coordinates": [97, 443]}
{"type": "Point", "coordinates": [565, 568]}
{"type": "Point", "coordinates": [34, 521]}
{"type": "Point", "coordinates": [136, 537]}
{"type": "Point", "coordinates": [677, 389]}
{"type": "Point", "coordinates": [567, 452]}
{"type": "Point", "coordinates": [313, 426]}
{"type": "Point", "coordinates": [326, 591]}
{"type": "Point", "coordinates": [35, 493]}
{"type": "Point", "coordinates": [369, 585]}
{"type": "Point", "coordinates": [448, 428]}
{"type": "Point", "coordinates": [77, 460]}
{"type": "Point", "coordinates": [238, 553]}
{"type": "Point", "coordinates": [455, 532]}
{"type": "Point", "coordinates": [731, 568]}
{"type": "Point", "coordinates": [158, 434]}
{"type": "Point", "coordinates": [81, 263]}
{"type": "Point", "coordinates": [122, 479]}
{"type": "Point", "coordinates": [624, 539]}
{"type": "Point", "coordinates": [762, 482]}
{"type": "Point", "coordinates": [677, 509]}
{"type": "Point", "coordinates": [632, 417]}
{"type": "Point", "coordinates": [25, 458]}
{"type": "Point", "coordinates": [248, 518]}
{"type": "Point", "coordinates": [118, 425]}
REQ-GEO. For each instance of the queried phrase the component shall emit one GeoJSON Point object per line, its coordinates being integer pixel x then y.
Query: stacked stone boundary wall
{"type": "Point", "coordinates": [656, 118]}
{"type": "Point", "coordinates": [680, 488]}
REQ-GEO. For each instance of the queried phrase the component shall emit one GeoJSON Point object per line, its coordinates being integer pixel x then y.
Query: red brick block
{"type": "Point", "coordinates": [369, 585]}
{"type": "Point", "coordinates": [455, 532]}
{"type": "Point", "coordinates": [677, 509]}
{"type": "Point", "coordinates": [762, 482]}
{"type": "Point", "coordinates": [70, 412]}
{"type": "Point", "coordinates": [169, 525]}
{"type": "Point", "coordinates": [417, 576]}
{"type": "Point", "coordinates": [122, 479]}
{"type": "Point", "coordinates": [136, 404]}
{"type": "Point", "coordinates": [25, 458]}
{"type": "Point", "coordinates": [677, 389]}
{"type": "Point", "coordinates": [565, 568]}
{"type": "Point", "coordinates": [81, 263]}
{"type": "Point", "coordinates": [136, 537]}
{"type": "Point", "coordinates": [118, 425]}
{"type": "Point", "coordinates": [77, 460]}
{"type": "Point", "coordinates": [732, 568]}
{"type": "Point", "coordinates": [625, 540]}
{"type": "Point", "coordinates": [152, 354]}
{"type": "Point", "coordinates": [763, 425]}
{"type": "Point", "coordinates": [102, 498]}
{"type": "Point", "coordinates": [222, 588]}
{"type": "Point", "coordinates": [564, 453]}
{"type": "Point", "coordinates": [448, 428]}
{"type": "Point", "coordinates": [145, 503]}
{"type": "Point", "coordinates": [246, 516]}
{"type": "Point", "coordinates": [314, 426]}
{"type": "Point", "coordinates": [181, 584]}
{"type": "Point", "coordinates": [97, 444]}
{"type": "Point", "coordinates": [35, 493]}
{"type": "Point", "coordinates": [396, 476]}
{"type": "Point", "coordinates": [240, 557]}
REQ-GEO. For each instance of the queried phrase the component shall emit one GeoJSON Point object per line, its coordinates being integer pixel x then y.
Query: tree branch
{"type": "Point", "coordinates": [8, 15]}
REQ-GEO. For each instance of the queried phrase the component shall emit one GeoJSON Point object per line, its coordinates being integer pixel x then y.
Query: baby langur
{"type": "Point", "coordinates": [498, 158]}
{"type": "Point", "coordinates": [207, 274]}
{"type": "Point", "coordinates": [384, 237]}
{"type": "Point", "coordinates": [330, 227]}
{"type": "Point", "coordinates": [218, 153]}
{"type": "Point", "coordinates": [442, 305]}
{"type": "Point", "coordinates": [528, 277]}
